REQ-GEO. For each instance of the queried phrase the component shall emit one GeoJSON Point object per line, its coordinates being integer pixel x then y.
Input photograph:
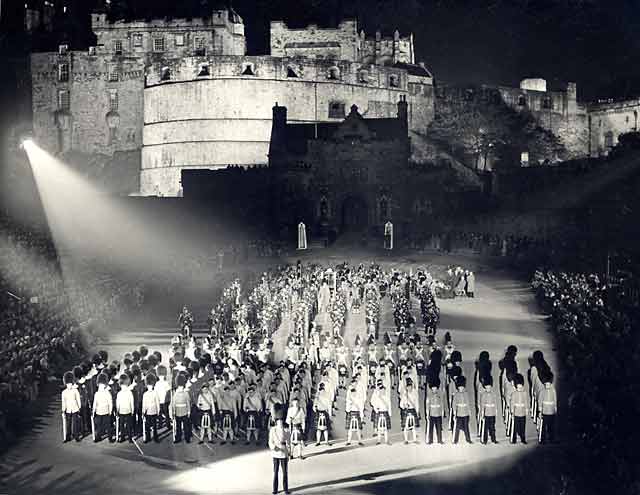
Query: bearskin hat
{"type": "Point", "coordinates": [144, 365]}
{"type": "Point", "coordinates": [96, 359]}
{"type": "Point", "coordinates": [68, 378]}
{"type": "Point", "coordinates": [181, 380]}
{"type": "Point", "coordinates": [518, 379]}
{"type": "Point", "coordinates": [158, 356]}
{"type": "Point", "coordinates": [135, 355]}
{"type": "Point", "coordinates": [512, 350]}
{"type": "Point", "coordinates": [128, 356]}
{"type": "Point", "coordinates": [112, 370]}
{"type": "Point", "coordinates": [127, 361]}
{"type": "Point", "coordinates": [152, 360]}
{"type": "Point", "coordinates": [456, 357]}
{"type": "Point", "coordinates": [194, 366]}
{"type": "Point", "coordinates": [104, 356]}
{"type": "Point", "coordinates": [124, 379]}
{"type": "Point", "coordinates": [150, 379]}
{"type": "Point", "coordinates": [144, 351]}
{"type": "Point", "coordinates": [162, 370]}
{"type": "Point", "coordinates": [461, 381]}
{"type": "Point", "coordinates": [78, 372]}
{"type": "Point", "coordinates": [537, 357]}
{"type": "Point", "coordinates": [484, 356]}
{"type": "Point", "coordinates": [103, 379]}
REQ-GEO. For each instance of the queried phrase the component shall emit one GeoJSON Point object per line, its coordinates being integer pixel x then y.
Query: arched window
{"type": "Point", "coordinates": [334, 73]}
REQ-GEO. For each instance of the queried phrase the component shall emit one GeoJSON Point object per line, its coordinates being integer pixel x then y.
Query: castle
{"type": "Point", "coordinates": [153, 98]}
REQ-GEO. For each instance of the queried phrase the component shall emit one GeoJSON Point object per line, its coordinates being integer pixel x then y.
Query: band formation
{"type": "Point", "coordinates": [226, 386]}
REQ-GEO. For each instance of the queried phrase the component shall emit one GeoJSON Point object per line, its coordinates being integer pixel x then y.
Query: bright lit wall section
{"type": "Point", "coordinates": [210, 115]}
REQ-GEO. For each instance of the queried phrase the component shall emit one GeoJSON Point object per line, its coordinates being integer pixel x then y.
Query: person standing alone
{"type": "Point", "coordinates": [279, 444]}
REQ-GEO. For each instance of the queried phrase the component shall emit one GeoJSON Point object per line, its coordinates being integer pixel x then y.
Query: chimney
{"type": "Point", "coordinates": [403, 113]}
{"type": "Point", "coordinates": [277, 144]}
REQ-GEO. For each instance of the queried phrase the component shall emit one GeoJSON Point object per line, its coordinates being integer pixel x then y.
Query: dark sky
{"type": "Point", "coordinates": [592, 42]}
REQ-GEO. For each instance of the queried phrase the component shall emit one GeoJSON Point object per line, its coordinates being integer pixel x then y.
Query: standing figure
{"type": "Point", "coordinates": [150, 410]}
{"type": "Point", "coordinates": [125, 408]}
{"type": "Point", "coordinates": [71, 406]}
{"type": "Point", "coordinates": [518, 408]}
{"type": "Point", "coordinates": [279, 444]}
{"type": "Point", "coordinates": [102, 410]}
{"type": "Point", "coordinates": [460, 410]}
{"type": "Point", "coordinates": [180, 411]}
{"type": "Point", "coordinates": [488, 409]}
{"type": "Point", "coordinates": [548, 407]}
{"type": "Point", "coordinates": [206, 411]}
{"type": "Point", "coordinates": [381, 412]}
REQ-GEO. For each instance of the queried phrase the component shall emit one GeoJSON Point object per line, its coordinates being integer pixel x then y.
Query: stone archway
{"type": "Point", "coordinates": [355, 214]}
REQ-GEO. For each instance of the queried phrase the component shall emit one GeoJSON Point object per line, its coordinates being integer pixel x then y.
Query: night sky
{"type": "Point", "coordinates": [592, 42]}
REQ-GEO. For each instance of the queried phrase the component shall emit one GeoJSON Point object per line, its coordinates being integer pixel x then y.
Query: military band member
{"type": "Point", "coordinates": [102, 409]}
{"type": "Point", "coordinates": [487, 410]}
{"type": "Point", "coordinates": [322, 408]}
{"type": "Point", "coordinates": [381, 406]}
{"type": "Point", "coordinates": [71, 406]}
{"type": "Point", "coordinates": [180, 410]}
{"type": "Point", "coordinates": [296, 418]}
{"type": "Point", "coordinates": [150, 410]}
{"type": "Point", "coordinates": [85, 402]}
{"type": "Point", "coordinates": [461, 409]}
{"type": "Point", "coordinates": [162, 389]}
{"type": "Point", "coordinates": [547, 408]}
{"type": "Point", "coordinates": [125, 408]}
{"type": "Point", "coordinates": [518, 407]}
{"type": "Point", "coordinates": [354, 412]}
{"type": "Point", "coordinates": [253, 412]}
{"type": "Point", "coordinates": [342, 355]}
{"type": "Point", "coordinates": [434, 409]}
{"type": "Point", "coordinates": [206, 406]}
{"type": "Point", "coordinates": [409, 404]}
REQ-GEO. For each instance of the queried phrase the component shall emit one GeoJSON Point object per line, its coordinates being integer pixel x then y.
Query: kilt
{"type": "Point", "coordinates": [374, 419]}
{"type": "Point", "coordinates": [342, 370]}
{"type": "Point", "coordinates": [403, 417]}
{"type": "Point", "coordinates": [256, 418]}
{"type": "Point", "coordinates": [297, 428]}
{"type": "Point", "coordinates": [327, 420]}
{"type": "Point", "coordinates": [353, 414]}
{"type": "Point", "coordinates": [421, 368]}
{"type": "Point", "coordinates": [222, 415]}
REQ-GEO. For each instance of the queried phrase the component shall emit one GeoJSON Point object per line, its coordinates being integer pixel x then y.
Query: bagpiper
{"type": "Point", "coordinates": [409, 411]}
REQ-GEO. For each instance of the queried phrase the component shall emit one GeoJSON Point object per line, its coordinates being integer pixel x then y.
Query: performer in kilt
{"type": "Point", "coordinates": [322, 408]}
{"type": "Point", "coordinates": [409, 405]}
{"type": "Point", "coordinates": [380, 406]}
{"type": "Point", "coordinates": [354, 411]}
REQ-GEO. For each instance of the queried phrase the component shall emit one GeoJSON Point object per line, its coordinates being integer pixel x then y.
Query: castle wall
{"type": "Point", "coordinates": [607, 121]}
{"type": "Point", "coordinates": [339, 43]}
{"type": "Point", "coordinates": [84, 127]}
{"type": "Point", "coordinates": [221, 33]}
{"type": "Point", "coordinates": [556, 111]}
{"type": "Point", "coordinates": [225, 118]}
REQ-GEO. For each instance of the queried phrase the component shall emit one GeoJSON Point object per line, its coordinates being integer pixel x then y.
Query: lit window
{"type": "Point", "coordinates": [200, 49]}
{"type": "Point", "coordinates": [63, 72]}
{"type": "Point", "coordinates": [336, 110]}
{"type": "Point", "coordinates": [113, 100]}
{"type": "Point", "coordinates": [158, 44]}
{"type": "Point", "coordinates": [137, 40]}
{"type": "Point", "coordinates": [113, 74]}
{"type": "Point", "coordinates": [524, 158]}
{"type": "Point", "coordinates": [63, 49]}
{"type": "Point", "coordinates": [64, 101]}
{"type": "Point", "coordinates": [179, 40]}
{"type": "Point", "coordinates": [117, 47]}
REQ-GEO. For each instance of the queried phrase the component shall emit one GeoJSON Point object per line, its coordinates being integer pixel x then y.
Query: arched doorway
{"type": "Point", "coordinates": [354, 214]}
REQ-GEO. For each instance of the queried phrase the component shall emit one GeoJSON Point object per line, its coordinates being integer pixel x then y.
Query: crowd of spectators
{"type": "Point", "coordinates": [595, 325]}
